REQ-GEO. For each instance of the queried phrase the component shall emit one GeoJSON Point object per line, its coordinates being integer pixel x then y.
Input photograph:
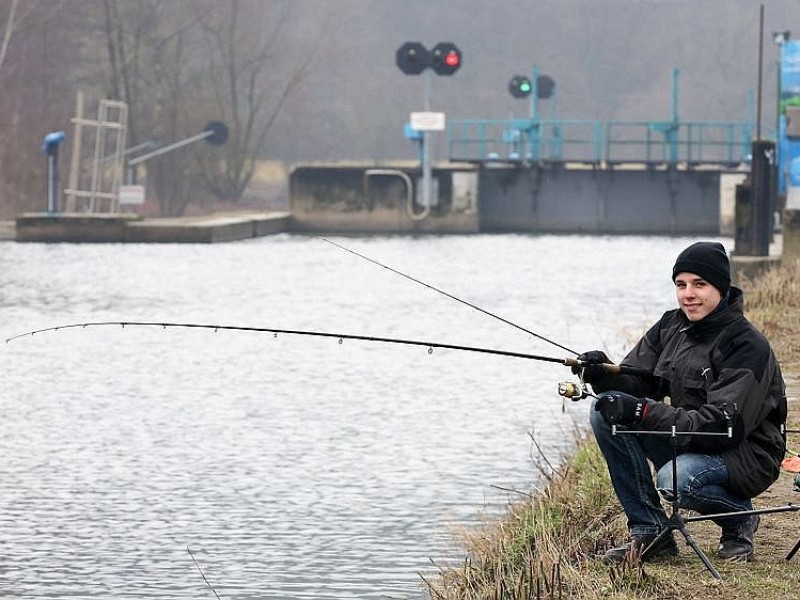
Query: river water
{"type": "Point", "coordinates": [290, 466]}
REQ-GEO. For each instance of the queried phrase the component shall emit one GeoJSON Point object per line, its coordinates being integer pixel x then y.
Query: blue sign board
{"type": "Point", "coordinates": [788, 149]}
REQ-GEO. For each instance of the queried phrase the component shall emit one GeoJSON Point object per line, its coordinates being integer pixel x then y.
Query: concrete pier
{"type": "Point", "coordinates": [129, 228]}
{"type": "Point", "coordinates": [752, 267]}
{"type": "Point", "coordinates": [791, 234]}
{"type": "Point", "coordinates": [371, 198]}
{"type": "Point", "coordinates": [8, 231]}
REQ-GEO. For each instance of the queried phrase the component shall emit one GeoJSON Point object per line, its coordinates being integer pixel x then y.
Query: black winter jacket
{"type": "Point", "coordinates": [708, 369]}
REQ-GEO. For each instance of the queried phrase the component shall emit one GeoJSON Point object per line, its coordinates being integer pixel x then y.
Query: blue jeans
{"type": "Point", "coordinates": [702, 478]}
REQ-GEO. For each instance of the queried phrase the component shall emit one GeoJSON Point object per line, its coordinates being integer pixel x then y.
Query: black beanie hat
{"type": "Point", "coordinates": [708, 260]}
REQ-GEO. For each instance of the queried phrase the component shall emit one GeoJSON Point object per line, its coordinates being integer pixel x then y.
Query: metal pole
{"type": "Point", "coordinates": [778, 97]}
{"type": "Point", "coordinates": [74, 171]}
{"type": "Point", "coordinates": [675, 74]}
{"type": "Point", "coordinates": [761, 178]}
{"type": "Point", "coordinates": [533, 134]}
{"type": "Point", "coordinates": [426, 149]}
{"type": "Point", "coordinates": [50, 147]}
{"type": "Point", "coordinates": [165, 149]}
{"type": "Point", "coordinates": [535, 94]}
{"type": "Point", "coordinates": [673, 134]}
{"type": "Point", "coordinates": [52, 181]}
{"type": "Point", "coordinates": [760, 70]}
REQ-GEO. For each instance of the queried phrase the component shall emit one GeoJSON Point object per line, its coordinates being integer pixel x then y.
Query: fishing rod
{"type": "Point", "coordinates": [569, 362]}
{"type": "Point", "coordinates": [451, 296]}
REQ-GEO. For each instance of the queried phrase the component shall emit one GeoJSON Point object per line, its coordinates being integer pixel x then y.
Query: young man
{"type": "Point", "coordinates": [711, 371]}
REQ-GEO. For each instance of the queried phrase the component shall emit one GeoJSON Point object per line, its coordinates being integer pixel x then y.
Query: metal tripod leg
{"type": "Point", "coordinates": [793, 551]}
{"type": "Point", "coordinates": [681, 526]}
{"type": "Point", "coordinates": [756, 511]}
{"type": "Point", "coordinates": [676, 522]}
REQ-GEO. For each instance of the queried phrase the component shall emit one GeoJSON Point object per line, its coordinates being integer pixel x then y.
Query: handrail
{"type": "Point", "coordinates": [596, 141]}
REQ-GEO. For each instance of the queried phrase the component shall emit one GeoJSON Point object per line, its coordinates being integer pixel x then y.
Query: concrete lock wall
{"type": "Point", "coordinates": [505, 198]}
{"type": "Point", "coordinates": [382, 199]}
{"type": "Point", "coordinates": [600, 201]}
{"type": "Point", "coordinates": [791, 234]}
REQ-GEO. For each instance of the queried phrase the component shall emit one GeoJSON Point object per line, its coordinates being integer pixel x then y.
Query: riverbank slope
{"type": "Point", "coordinates": [550, 546]}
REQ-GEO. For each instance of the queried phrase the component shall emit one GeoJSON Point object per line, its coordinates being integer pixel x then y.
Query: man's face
{"type": "Point", "coordinates": [696, 297]}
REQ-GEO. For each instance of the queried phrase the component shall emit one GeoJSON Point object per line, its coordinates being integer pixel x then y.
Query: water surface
{"type": "Point", "coordinates": [293, 467]}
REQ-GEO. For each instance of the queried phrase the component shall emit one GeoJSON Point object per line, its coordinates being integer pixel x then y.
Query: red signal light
{"type": "Point", "coordinates": [445, 58]}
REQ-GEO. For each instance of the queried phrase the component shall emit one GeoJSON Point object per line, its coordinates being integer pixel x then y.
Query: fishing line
{"type": "Point", "coordinates": [451, 296]}
{"type": "Point", "coordinates": [203, 575]}
{"type": "Point", "coordinates": [569, 362]}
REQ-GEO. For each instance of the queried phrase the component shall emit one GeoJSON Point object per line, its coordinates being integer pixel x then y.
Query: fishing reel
{"type": "Point", "coordinates": [573, 390]}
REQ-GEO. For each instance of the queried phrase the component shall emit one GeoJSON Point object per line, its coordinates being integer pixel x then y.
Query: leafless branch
{"type": "Point", "coordinates": [8, 31]}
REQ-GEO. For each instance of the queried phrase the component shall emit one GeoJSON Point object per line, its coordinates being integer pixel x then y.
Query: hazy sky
{"type": "Point", "coordinates": [611, 59]}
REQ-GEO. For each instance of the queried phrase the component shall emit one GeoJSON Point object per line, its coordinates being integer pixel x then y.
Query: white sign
{"type": "Point", "coordinates": [131, 194]}
{"type": "Point", "coordinates": [427, 121]}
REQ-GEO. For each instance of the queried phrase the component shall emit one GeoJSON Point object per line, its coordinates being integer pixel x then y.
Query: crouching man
{"type": "Point", "coordinates": [711, 371]}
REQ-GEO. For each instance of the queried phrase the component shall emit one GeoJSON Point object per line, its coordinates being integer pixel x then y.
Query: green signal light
{"type": "Point", "coordinates": [520, 86]}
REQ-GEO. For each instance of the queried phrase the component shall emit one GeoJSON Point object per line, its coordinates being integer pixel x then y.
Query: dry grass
{"type": "Point", "coordinates": [549, 546]}
{"type": "Point", "coordinates": [772, 303]}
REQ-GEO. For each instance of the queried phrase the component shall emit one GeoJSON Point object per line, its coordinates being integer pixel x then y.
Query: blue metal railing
{"type": "Point", "coordinates": [570, 140]}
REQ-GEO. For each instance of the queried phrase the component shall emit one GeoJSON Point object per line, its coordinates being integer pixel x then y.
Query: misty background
{"type": "Point", "coordinates": [610, 59]}
{"type": "Point", "coordinates": [310, 80]}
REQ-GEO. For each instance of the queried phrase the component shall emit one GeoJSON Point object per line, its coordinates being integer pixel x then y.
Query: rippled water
{"type": "Point", "coordinates": [292, 467]}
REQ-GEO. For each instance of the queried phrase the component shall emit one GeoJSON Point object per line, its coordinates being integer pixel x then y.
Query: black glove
{"type": "Point", "coordinates": [593, 372]}
{"type": "Point", "coordinates": [618, 408]}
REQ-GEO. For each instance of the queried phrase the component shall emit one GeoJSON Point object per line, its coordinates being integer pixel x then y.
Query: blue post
{"type": "Point", "coordinates": [50, 147]}
{"type": "Point", "coordinates": [557, 145]}
{"type": "Point", "coordinates": [533, 131]}
{"type": "Point", "coordinates": [672, 135]}
{"type": "Point", "coordinates": [415, 136]}
{"type": "Point", "coordinates": [598, 143]}
{"type": "Point", "coordinates": [535, 94]}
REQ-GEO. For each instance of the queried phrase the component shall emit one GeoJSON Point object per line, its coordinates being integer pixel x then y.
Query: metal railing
{"type": "Point", "coordinates": [588, 141]}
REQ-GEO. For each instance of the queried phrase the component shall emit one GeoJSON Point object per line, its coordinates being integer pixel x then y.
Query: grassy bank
{"type": "Point", "coordinates": [550, 546]}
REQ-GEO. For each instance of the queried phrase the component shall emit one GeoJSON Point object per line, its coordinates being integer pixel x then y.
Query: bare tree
{"type": "Point", "coordinates": [147, 65]}
{"type": "Point", "coordinates": [246, 65]}
{"type": "Point", "coordinates": [180, 64]}
{"type": "Point", "coordinates": [8, 30]}
{"type": "Point", "coordinates": [36, 53]}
